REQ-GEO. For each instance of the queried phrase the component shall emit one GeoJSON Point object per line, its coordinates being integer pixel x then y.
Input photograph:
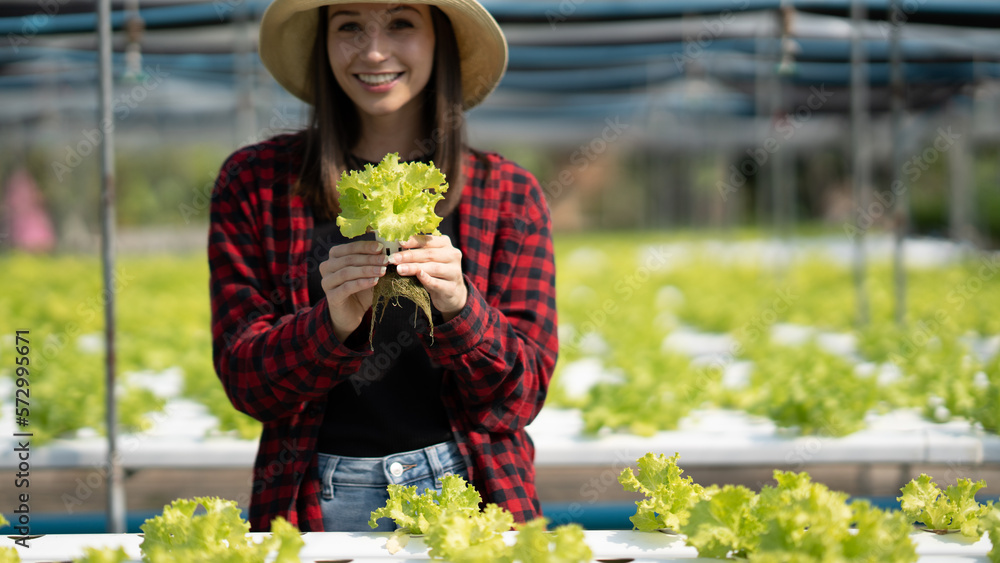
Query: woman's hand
{"type": "Point", "coordinates": [349, 275]}
{"type": "Point", "coordinates": [438, 266]}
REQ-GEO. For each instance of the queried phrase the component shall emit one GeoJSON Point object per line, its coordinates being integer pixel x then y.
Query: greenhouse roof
{"type": "Point", "coordinates": [568, 59]}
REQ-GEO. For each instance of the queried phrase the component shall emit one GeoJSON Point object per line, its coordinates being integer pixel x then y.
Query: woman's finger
{"type": "Point", "coordinates": [351, 267]}
{"type": "Point", "coordinates": [448, 296]}
{"type": "Point", "coordinates": [446, 272]}
{"type": "Point", "coordinates": [424, 248]}
{"type": "Point", "coordinates": [442, 255]}
{"type": "Point", "coordinates": [417, 241]}
{"type": "Point", "coordinates": [356, 247]}
{"type": "Point", "coordinates": [334, 277]}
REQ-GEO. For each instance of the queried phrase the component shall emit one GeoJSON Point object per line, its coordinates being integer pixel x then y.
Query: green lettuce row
{"type": "Point", "coordinates": [163, 321]}
{"type": "Point", "coordinates": [795, 520]}
{"type": "Point", "coordinates": [178, 535]}
{"type": "Point", "coordinates": [990, 523]}
{"type": "Point", "coordinates": [8, 554]}
{"type": "Point", "coordinates": [634, 311]}
{"type": "Point", "coordinates": [456, 530]}
{"type": "Point", "coordinates": [102, 555]}
{"type": "Point", "coordinates": [805, 388]}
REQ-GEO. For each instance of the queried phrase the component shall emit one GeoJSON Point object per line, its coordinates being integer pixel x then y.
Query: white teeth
{"type": "Point", "coordinates": [378, 79]}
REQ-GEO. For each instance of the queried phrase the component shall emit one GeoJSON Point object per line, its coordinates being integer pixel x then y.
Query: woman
{"type": "Point", "coordinates": [291, 299]}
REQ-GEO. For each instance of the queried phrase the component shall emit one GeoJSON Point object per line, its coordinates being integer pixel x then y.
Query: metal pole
{"type": "Point", "coordinates": [133, 49]}
{"type": "Point", "coordinates": [960, 172]}
{"type": "Point", "coordinates": [777, 180]}
{"type": "Point", "coordinates": [783, 173]}
{"type": "Point", "coordinates": [763, 67]}
{"type": "Point", "coordinates": [901, 207]}
{"type": "Point", "coordinates": [116, 493]}
{"type": "Point", "coordinates": [860, 154]}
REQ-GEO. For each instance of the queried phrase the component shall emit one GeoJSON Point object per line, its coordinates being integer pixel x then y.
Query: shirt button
{"type": "Point", "coordinates": [396, 469]}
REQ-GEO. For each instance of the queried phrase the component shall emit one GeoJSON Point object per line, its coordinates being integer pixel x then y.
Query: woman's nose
{"type": "Point", "coordinates": [375, 45]}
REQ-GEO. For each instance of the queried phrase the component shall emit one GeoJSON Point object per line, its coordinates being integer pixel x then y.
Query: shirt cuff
{"type": "Point", "coordinates": [329, 349]}
{"type": "Point", "coordinates": [465, 330]}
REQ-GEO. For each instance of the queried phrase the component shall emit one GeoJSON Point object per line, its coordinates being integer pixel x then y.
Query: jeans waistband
{"type": "Point", "coordinates": [400, 468]}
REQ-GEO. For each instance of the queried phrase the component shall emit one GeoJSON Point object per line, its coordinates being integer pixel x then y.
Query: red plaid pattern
{"type": "Point", "coordinates": [277, 357]}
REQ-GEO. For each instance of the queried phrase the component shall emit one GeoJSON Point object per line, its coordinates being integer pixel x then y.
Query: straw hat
{"type": "Point", "coordinates": [288, 30]}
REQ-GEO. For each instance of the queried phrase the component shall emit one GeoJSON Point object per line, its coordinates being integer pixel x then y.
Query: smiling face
{"type": "Point", "coordinates": [381, 55]}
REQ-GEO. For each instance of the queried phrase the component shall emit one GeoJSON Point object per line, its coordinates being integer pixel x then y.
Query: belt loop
{"type": "Point", "coordinates": [328, 465]}
{"type": "Point", "coordinates": [437, 470]}
{"type": "Point", "coordinates": [454, 454]}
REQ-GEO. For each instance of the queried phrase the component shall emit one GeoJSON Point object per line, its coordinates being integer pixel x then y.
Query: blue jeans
{"type": "Point", "coordinates": [353, 487]}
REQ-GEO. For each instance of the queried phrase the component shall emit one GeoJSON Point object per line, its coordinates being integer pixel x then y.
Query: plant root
{"type": "Point", "coordinates": [389, 289]}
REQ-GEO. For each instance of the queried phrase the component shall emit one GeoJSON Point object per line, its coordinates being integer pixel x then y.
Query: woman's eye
{"type": "Point", "coordinates": [349, 27]}
{"type": "Point", "coordinates": [401, 24]}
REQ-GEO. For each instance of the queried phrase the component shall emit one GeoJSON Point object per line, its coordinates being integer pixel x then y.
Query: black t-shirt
{"type": "Point", "coordinates": [393, 403]}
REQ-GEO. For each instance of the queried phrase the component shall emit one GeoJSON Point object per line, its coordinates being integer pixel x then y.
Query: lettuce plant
{"type": "Point", "coordinates": [669, 497]}
{"type": "Point", "coordinates": [990, 523]}
{"type": "Point", "coordinates": [955, 508]}
{"type": "Point", "coordinates": [456, 530]}
{"type": "Point", "coordinates": [395, 201]}
{"type": "Point", "coordinates": [794, 520]}
{"type": "Point", "coordinates": [8, 554]}
{"type": "Point", "coordinates": [218, 535]}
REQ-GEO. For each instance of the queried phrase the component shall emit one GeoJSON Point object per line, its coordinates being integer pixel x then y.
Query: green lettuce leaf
{"type": "Point", "coordinates": [802, 517]}
{"type": "Point", "coordinates": [177, 529]}
{"type": "Point", "coordinates": [967, 510]}
{"type": "Point", "coordinates": [462, 537]}
{"type": "Point", "coordinates": [789, 557]}
{"type": "Point", "coordinates": [8, 554]}
{"type": "Point", "coordinates": [404, 507]}
{"type": "Point", "coordinates": [565, 544]}
{"type": "Point", "coordinates": [218, 536]}
{"type": "Point", "coordinates": [724, 524]}
{"type": "Point", "coordinates": [956, 508]}
{"type": "Point", "coordinates": [413, 512]}
{"type": "Point", "coordinates": [286, 540]}
{"type": "Point", "coordinates": [457, 495]}
{"type": "Point", "coordinates": [881, 536]}
{"type": "Point", "coordinates": [669, 497]}
{"type": "Point", "coordinates": [102, 555]}
{"type": "Point", "coordinates": [795, 520]}
{"type": "Point", "coordinates": [456, 530]}
{"type": "Point", "coordinates": [990, 523]}
{"type": "Point", "coordinates": [395, 200]}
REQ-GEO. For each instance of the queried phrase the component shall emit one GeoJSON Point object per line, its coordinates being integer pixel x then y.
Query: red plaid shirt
{"type": "Point", "coordinates": [278, 358]}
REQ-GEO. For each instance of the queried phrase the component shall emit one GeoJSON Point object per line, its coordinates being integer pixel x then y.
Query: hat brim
{"type": "Point", "coordinates": [288, 31]}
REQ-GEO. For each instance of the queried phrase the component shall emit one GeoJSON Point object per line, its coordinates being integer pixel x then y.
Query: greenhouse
{"type": "Point", "coordinates": [736, 295]}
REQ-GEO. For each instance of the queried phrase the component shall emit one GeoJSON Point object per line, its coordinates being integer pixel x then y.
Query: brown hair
{"type": "Point", "coordinates": [335, 126]}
